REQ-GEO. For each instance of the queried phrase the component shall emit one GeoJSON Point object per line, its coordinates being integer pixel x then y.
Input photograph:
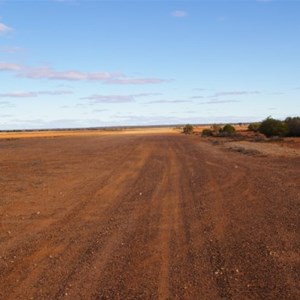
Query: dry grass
{"type": "Point", "coordinates": [100, 132]}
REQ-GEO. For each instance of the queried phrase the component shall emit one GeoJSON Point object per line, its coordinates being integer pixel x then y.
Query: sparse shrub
{"type": "Point", "coordinates": [272, 127]}
{"type": "Point", "coordinates": [293, 126]}
{"type": "Point", "coordinates": [253, 127]}
{"type": "Point", "coordinates": [188, 129]}
{"type": "Point", "coordinates": [228, 128]}
{"type": "Point", "coordinates": [207, 132]}
{"type": "Point", "coordinates": [216, 128]}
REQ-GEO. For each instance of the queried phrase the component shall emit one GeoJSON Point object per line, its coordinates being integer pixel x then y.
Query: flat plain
{"type": "Point", "coordinates": [146, 216]}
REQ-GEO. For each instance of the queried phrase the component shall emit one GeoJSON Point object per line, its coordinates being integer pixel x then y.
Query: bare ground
{"type": "Point", "coordinates": [146, 217]}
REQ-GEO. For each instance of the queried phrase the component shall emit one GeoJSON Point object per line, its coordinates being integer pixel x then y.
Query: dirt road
{"type": "Point", "coordinates": [146, 217]}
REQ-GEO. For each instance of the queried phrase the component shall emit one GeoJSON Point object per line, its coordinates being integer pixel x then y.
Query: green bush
{"type": "Point", "coordinates": [227, 131]}
{"type": "Point", "coordinates": [253, 127]}
{"type": "Point", "coordinates": [293, 126]}
{"type": "Point", "coordinates": [188, 129]}
{"type": "Point", "coordinates": [272, 127]}
{"type": "Point", "coordinates": [228, 128]}
{"type": "Point", "coordinates": [207, 132]}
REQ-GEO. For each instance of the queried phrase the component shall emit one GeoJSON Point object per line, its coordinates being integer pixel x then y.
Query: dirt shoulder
{"type": "Point", "coordinates": [289, 147]}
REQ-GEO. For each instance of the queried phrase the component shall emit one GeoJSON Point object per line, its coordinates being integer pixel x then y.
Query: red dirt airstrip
{"type": "Point", "coordinates": [156, 216]}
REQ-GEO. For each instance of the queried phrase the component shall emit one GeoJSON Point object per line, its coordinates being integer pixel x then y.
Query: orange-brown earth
{"type": "Point", "coordinates": [159, 216]}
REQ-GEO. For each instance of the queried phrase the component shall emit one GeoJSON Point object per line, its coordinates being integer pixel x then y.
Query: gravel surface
{"type": "Point", "coordinates": [146, 217]}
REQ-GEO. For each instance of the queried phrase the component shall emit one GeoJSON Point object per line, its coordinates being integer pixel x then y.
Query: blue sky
{"type": "Point", "coordinates": [75, 63]}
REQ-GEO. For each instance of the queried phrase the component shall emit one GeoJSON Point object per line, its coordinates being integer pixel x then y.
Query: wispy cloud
{"type": "Point", "coordinates": [179, 13]}
{"type": "Point", "coordinates": [234, 93]}
{"type": "Point", "coordinates": [110, 98]}
{"type": "Point", "coordinates": [75, 75]}
{"type": "Point", "coordinates": [200, 89]}
{"type": "Point", "coordinates": [4, 28]}
{"type": "Point", "coordinates": [55, 93]}
{"type": "Point", "coordinates": [197, 97]}
{"type": "Point", "coordinates": [96, 98]}
{"type": "Point", "coordinates": [10, 67]}
{"type": "Point", "coordinates": [167, 101]}
{"type": "Point", "coordinates": [49, 73]}
{"type": "Point", "coordinates": [33, 94]}
{"type": "Point", "coordinates": [135, 80]}
{"type": "Point", "coordinates": [18, 95]}
{"type": "Point", "coordinates": [100, 110]}
{"type": "Point", "coordinates": [219, 101]}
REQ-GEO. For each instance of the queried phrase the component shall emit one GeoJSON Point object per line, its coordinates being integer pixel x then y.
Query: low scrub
{"type": "Point", "coordinates": [272, 127]}
{"type": "Point", "coordinates": [207, 132]}
{"type": "Point", "coordinates": [254, 127]}
{"type": "Point", "coordinates": [188, 129]}
{"type": "Point", "coordinates": [227, 131]}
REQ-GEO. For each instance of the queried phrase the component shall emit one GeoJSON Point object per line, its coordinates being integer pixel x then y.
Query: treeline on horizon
{"type": "Point", "coordinates": [270, 127]}
{"type": "Point", "coordinates": [290, 127]}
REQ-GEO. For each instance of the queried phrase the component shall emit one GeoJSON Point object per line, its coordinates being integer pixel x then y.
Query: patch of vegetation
{"type": "Point", "coordinates": [216, 128]}
{"type": "Point", "coordinates": [207, 132]}
{"type": "Point", "coordinates": [293, 126]}
{"type": "Point", "coordinates": [188, 129]}
{"type": "Point", "coordinates": [254, 127]}
{"type": "Point", "coordinates": [272, 127]}
{"type": "Point", "coordinates": [245, 151]}
{"type": "Point", "coordinates": [228, 129]}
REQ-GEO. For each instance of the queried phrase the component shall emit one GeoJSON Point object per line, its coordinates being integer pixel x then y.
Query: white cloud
{"type": "Point", "coordinates": [179, 13]}
{"type": "Point", "coordinates": [215, 101]}
{"type": "Point", "coordinates": [75, 75]}
{"type": "Point", "coordinates": [4, 28]}
{"type": "Point", "coordinates": [32, 94]}
{"type": "Point", "coordinates": [196, 97]}
{"type": "Point", "coordinates": [9, 67]}
{"type": "Point", "coordinates": [117, 98]}
{"type": "Point", "coordinates": [167, 101]}
{"type": "Point", "coordinates": [234, 93]}
{"type": "Point", "coordinates": [110, 99]}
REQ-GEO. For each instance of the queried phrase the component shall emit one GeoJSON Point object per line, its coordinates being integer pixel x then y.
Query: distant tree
{"type": "Point", "coordinates": [272, 127]}
{"type": "Point", "coordinates": [293, 126]}
{"type": "Point", "coordinates": [228, 128]}
{"type": "Point", "coordinates": [188, 129]}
